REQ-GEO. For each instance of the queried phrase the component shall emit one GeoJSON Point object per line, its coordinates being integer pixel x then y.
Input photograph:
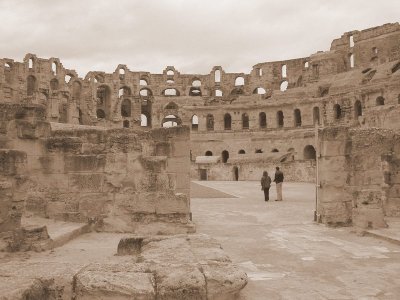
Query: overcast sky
{"type": "Point", "coordinates": [192, 35]}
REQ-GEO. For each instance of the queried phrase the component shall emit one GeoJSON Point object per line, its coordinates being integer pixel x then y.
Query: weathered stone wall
{"type": "Point", "coordinates": [294, 171]}
{"type": "Point", "coordinates": [319, 86]}
{"type": "Point", "coordinates": [117, 179]}
{"type": "Point", "coordinates": [358, 171]}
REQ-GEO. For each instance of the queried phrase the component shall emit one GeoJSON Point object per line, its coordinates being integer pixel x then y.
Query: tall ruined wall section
{"type": "Point", "coordinates": [115, 179]}
{"type": "Point", "coordinates": [273, 108]}
{"type": "Point", "coordinates": [359, 176]}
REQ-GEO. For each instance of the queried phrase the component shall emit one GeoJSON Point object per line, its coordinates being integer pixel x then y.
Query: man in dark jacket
{"type": "Point", "coordinates": [278, 180]}
{"type": "Point", "coordinates": [265, 185]}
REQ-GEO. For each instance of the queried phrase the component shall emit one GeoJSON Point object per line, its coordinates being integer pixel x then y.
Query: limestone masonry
{"type": "Point", "coordinates": [116, 152]}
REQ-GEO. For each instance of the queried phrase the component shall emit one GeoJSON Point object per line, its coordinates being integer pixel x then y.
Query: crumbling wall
{"type": "Point", "coordinates": [116, 179]}
{"type": "Point", "coordinates": [358, 176]}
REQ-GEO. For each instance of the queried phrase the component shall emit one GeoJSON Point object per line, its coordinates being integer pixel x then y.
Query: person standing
{"type": "Point", "coordinates": [265, 185]}
{"type": "Point", "coordinates": [278, 180]}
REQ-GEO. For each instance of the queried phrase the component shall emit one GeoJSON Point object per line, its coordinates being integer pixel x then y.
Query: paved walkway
{"type": "Point", "coordinates": [286, 255]}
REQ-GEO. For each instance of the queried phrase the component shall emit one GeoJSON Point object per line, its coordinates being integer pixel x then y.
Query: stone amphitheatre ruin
{"type": "Point", "coordinates": [97, 151]}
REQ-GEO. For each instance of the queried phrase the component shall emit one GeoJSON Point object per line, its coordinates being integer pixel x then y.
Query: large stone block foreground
{"type": "Point", "coordinates": [157, 267]}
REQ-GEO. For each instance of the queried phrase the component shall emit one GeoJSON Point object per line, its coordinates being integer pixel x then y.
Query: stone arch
{"type": "Point", "coordinates": [309, 152]}
{"type": "Point", "coordinates": [30, 85]}
{"type": "Point", "coordinates": [227, 122]}
{"type": "Point", "coordinates": [103, 99]}
{"type": "Point", "coordinates": [241, 151]}
{"type": "Point", "coordinates": [297, 117]}
{"type": "Point", "coordinates": [225, 156]}
{"type": "Point", "coordinates": [170, 92]}
{"type": "Point", "coordinates": [284, 85]}
{"type": "Point", "coordinates": [195, 91]}
{"type": "Point", "coordinates": [316, 116]}
{"type": "Point", "coordinates": [145, 92]}
{"type": "Point", "coordinates": [210, 122]}
{"type": "Point", "coordinates": [337, 112]}
{"type": "Point", "coordinates": [262, 119]}
{"type": "Point", "coordinates": [245, 121]}
{"type": "Point", "coordinates": [143, 120]}
{"type": "Point", "coordinates": [126, 108]}
{"type": "Point", "coordinates": [171, 121]}
{"type": "Point", "coordinates": [196, 82]}
{"type": "Point", "coordinates": [380, 101]}
{"type": "Point", "coordinates": [357, 109]}
{"type": "Point", "coordinates": [208, 153]}
{"type": "Point", "coordinates": [239, 81]}
{"type": "Point", "coordinates": [171, 105]}
{"type": "Point", "coordinates": [259, 91]}
{"type": "Point", "coordinates": [54, 85]}
{"type": "Point", "coordinates": [275, 150]}
{"type": "Point", "coordinates": [279, 119]}
{"type": "Point", "coordinates": [195, 122]}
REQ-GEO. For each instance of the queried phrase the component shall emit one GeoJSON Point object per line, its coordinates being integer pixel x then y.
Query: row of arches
{"type": "Point", "coordinates": [262, 120]}
{"type": "Point", "coordinates": [309, 153]}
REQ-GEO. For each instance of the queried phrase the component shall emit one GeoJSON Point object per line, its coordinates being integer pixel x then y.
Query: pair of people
{"type": "Point", "coordinates": [266, 184]}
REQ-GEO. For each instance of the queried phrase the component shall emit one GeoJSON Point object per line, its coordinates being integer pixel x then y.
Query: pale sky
{"type": "Point", "coordinates": [193, 36]}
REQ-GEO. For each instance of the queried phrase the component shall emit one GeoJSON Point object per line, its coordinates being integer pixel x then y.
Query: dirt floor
{"type": "Point", "coordinates": [285, 254]}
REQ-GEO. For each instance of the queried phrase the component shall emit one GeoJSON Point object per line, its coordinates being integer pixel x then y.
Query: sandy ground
{"type": "Point", "coordinates": [285, 254]}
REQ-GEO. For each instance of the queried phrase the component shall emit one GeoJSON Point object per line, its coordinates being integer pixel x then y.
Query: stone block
{"type": "Point", "coordinates": [86, 182]}
{"type": "Point", "coordinates": [170, 203]}
{"type": "Point", "coordinates": [84, 163]}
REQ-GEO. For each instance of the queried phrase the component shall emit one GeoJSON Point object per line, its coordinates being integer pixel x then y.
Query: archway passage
{"type": "Point", "coordinates": [171, 121]}
{"type": "Point", "coordinates": [209, 153]}
{"type": "Point", "coordinates": [227, 122]}
{"type": "Point", "coordinates": [225, 156]}
{"type": "Point", "coordinates": [309, 152]}
{"type": "Point", "coordinates": [236, 173]}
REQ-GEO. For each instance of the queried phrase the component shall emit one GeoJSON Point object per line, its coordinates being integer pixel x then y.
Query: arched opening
{"type": "Point", "coordinates": [171, 92]}
{"type": "Point", "coordinates": [351, 58]}
{"type": "Point", "coordinates": [76, 90]}
{"type": "Point", "coordinates": [337, 112]}
{"type": "Point", "coordinates": [145, 92]}
{"type": "Point", "coordinates": [284, 86]}
{"type": "Point", "coordinates": [239, 81]}
{"type": "Point", "coordinates": [54, 84]}
{"type": "Point", "coordinates": [241, 151]}
{"type": "Point", "coordinates": [100, 114]}
{"type": "Point", "coordinates": [194, 91]}
{"type": "Point", "coordinates": [284, 73]}
{"type": "Point", "coordinates": [227, 122]}
{"type": "Point", "coordinates": [279, 119]}
{"type": "Point", "coordinates": [218, 93]}
{"type": "Point", "coordinates": [7, 72]}
{"type": "Point", "coordinates": [275, 150]}
{"type": "Point", "coordinates": [262, 117]}
{"type": "Point", "coordinates": [316, 118]}
{"type": "Point", "coordinates": [124, 91]}
{"type": "Point", "coordinates": [196, 83]}
{"type": "Point", "coordinates": [351, 41]}
{"type": "Point", "coordinates": [170, 73]}
{"type": "Point", "coordinates": [209, 153]}
{"type": "Point", "coordinates": [80, 116]}
{"type": "Point", "coordinates": [309, 152]}
{"type": "Point", "coordinates": [236, 173]}
{"type": "Point", "coordinates": [245, 121]}
{"type": "Point", "coordinates": [170, 81]}
{"type": "Point", "coordinates": [30, 85]}
{"type": "Point", "coordinates": [143, 120]}
{"type": "Point", "coordinates": [259, 91]}
{"type": "Point", "coordinates": [143, 82]}
{"type": "Point", "coordinates": [297, 117]}
{"type": "Point", "coordinates": [125, 124]}
{"type": "Point", "coordinates": [67, 78]}
{"type": "Point", "coordinates": [126, 109]}
{"type": "Point", "coordinates": [258, 151]}
{"type": "Point", "coordinates": [103, 99]}
{"type": "Point", "coordinates": [380, 101]}
{"type": "Point", "coordinates": [306, 64]}
{"type": "Point", "coordinates": [195, 122]}
{"type": "Point", "coordinates": [210, 122]}
{"type": "Point", "coordinates": [171, 105]}
{"type": "Point", "coordinates": [30, 63]}
{"type": "Point", "coordinates": [357, 109]}
{"type": "Point", "coordinates": [54, 68]}
{"type": "Point", "coordinates": [121, 71]}
{"type": "Point", "coordinates": [225, 156]}
{"type": "Point", "coordinates": [217, 76]}
{"type": "Point", "coordinates": [171, 121]}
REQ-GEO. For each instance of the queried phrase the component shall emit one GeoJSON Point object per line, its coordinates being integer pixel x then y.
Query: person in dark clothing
{"type": "Point", "coordinates": [265, 185]}
{"type": "Point", "coordinates": [278, 180]}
